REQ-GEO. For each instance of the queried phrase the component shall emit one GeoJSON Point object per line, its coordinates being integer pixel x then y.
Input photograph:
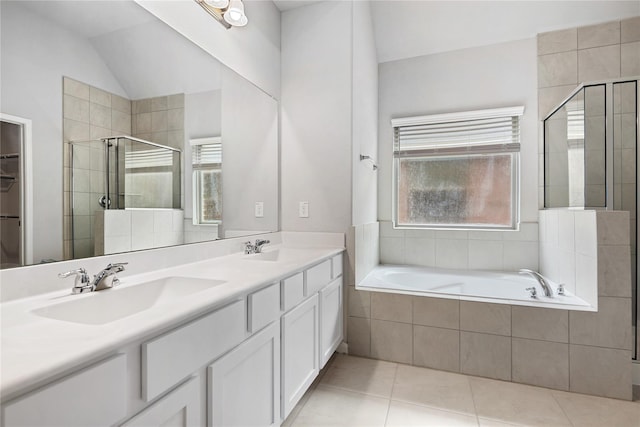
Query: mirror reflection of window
{"type": "Point", "coordinates": [207, 180]}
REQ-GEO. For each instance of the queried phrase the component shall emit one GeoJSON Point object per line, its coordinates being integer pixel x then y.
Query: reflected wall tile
{"type": "Point", "coordinates": [143, 123]}
{"type": "Point", "coordinates": [141, 106]}
{"type": "Point", "coordinates": [159, 121]}
{"type": "Point", "coordinates": [75, 130]}
{"type": "Point", "coordinates": [120, 104]}
{"type": "Point", "coordinates": [630, 59]}
{"type": "Point", "coordinates": [598, 63]}
{"type": "Point", "coordinates": [100, 96]}
{"type": "Point", "coordinates": [551, 97]}
{"type": "Point", "coordinates": [76, 109]}
{"type": "Point", "coordinates": [75, 88]}
{"type": "Point", "coordinates": [557, 41]}
{"type": "Point", "coordinates": [98, 132]}
{"type": "Point", "coordinates": [599, 35]}
{"type": "Point", "coordinates": [630, 30]}
{"type": "Point", "coordinates": [121, 122]}
{"type": "Point", "coordinates": [175, 101]}
{"type": "Point", "coordinates": [557, 69]}
{"type": "Point", "coordinates": [159, 103]}
{"type": "Point", "coordinates": [100, 116]}
{"type": "Point", "coordinates": [175, 119]}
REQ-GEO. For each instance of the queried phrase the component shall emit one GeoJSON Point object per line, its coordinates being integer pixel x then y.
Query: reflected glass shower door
{"type": "Point", "coordinates": [625, 160]}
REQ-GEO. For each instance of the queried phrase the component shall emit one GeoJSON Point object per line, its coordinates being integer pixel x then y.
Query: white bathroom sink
{"type": "Point", "coordinates": [110, 305]}
{"type": "Point", "coordinates": [273, 255]}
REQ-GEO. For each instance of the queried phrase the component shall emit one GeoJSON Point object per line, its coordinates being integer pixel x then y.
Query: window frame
{"type": "Point", "coordinates": [462, 151]}
{"type": "Point", "coordinates": [196, 181]}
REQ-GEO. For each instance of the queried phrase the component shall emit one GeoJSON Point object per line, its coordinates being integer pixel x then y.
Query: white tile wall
{"type": "Point", "coordinates": [476, 250]}
{"type": "Point", "coordinates": [367, 249]}
{"type": "Point", "coordinates": [135, 229]}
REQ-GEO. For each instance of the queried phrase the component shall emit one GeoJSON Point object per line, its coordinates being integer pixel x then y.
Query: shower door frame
{"type": "Point", "coordinates": [609, 178]}
{"type": "Point", "coordinates": [26, 185]}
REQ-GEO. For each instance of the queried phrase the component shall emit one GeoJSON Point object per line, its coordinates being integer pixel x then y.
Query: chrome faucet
{"type": "Point", "coordinates": [259, 244]}
{"type": "Point", "coordinates": [104, 280]}
{"type": "Point", "coordinates": [250, 248]}
{"type": "Point", "coordinates": [101, 280]}
{"type": "Point", "coordinates": [541, 279]}
{"type": "Point", "coordinates": [82, 282]}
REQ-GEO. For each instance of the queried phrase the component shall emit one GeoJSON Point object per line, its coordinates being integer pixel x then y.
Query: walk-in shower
{"type": "Point", "coordinates": [591, 158]}
{"type": "Point", "coordinates": [115, 173]}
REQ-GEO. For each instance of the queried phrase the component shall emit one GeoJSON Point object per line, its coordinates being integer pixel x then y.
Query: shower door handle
{"type": "Point", "coordinates": [104, 201]}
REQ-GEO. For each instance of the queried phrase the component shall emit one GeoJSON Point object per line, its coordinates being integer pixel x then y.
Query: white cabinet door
{"type": "Point", "coordinates": [180, 408]}
{"type": "Point", "coordinates": [330, 320]}
{"type": "Point", "coordinates": [299, 352]}
{"type": "Point", "coordinates": [95, 396]}
{"type": "Point", "coordinates": [244, 385]}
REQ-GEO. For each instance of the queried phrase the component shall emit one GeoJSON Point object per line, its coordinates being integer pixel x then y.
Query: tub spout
{"type": "Point", "coordinates": [541, 279]}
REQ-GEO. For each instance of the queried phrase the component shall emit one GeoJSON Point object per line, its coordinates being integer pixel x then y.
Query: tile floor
{"type": "Point", "coordinates": [353, 391]}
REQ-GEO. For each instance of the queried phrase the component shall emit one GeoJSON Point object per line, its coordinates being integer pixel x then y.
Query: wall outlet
{"type": "Point", "coordinates": [303, 210]}
{"type": "Point", "coordinates": [259, 209]}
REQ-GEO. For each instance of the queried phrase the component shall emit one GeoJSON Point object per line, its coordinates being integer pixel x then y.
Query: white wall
{"type": "Point", "coordinates": [249, 156]}
{"type": "Point", "coordinates": [252, 51]}
{"type": "Point", "coordinates": [365, 116]}
{"type": "Point", "coordinates": [31, 87]}
{"type": "Point", "coordinates": [316, 154]}
{"type": "Point", "coordinates": [500, 75]}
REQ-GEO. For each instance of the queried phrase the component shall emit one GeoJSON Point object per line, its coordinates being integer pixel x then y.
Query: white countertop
{"type": "Point", "coordinates": [36, 349]}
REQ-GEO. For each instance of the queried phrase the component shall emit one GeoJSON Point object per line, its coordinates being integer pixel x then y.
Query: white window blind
{"type": "Point", "coordinates": [493, 131]}
{"type": "Point", "coordinates": [206, 152]}
{"type": "Point", "coordinates": [150, 158]}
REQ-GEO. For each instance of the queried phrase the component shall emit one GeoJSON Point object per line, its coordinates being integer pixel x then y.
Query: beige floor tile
{"type": "Point", "coordinates": [408, 415]}
{"type": "Point", "coordinates": [368, 376]}
{"type": "Point", "coordinates": [296, 410]}
{"type": "Point", "coordinates": [516, 403]}
{"type": "Point", "coordinates": [436, 389]}
{"type": "Point", "coordinates": [329, 406]}
{"type": "Point", "coordinates": [585, 410]}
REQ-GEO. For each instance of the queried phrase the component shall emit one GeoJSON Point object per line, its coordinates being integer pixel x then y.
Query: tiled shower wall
{"type": "Point", "coordinates": [89, 113]}
{"type": "Point", "coordinates": [585, 54]}
{"type": "Point", "coordinates": [579, 351]}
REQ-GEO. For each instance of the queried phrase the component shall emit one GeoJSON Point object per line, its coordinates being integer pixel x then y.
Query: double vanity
{"type": "Point", "coordinates": [231, 340]}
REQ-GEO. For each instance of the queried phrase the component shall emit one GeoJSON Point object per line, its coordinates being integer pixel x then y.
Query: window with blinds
{"type": "Point", "coordinates": [206, 161]}
{"type": "Point", "coordinates": [457, 170]}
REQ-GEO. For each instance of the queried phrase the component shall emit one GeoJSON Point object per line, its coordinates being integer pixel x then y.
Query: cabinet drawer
{"type": "Point", "coordinates": [317, 277]}
{"type": "Point", "coordinates": [336, 263]}
{"type": "Point", "coordinates": [264, 307]}
{"type": "Point", "coordinates": [292, 291]}
{"type": "Point", "coordinates": [95, 396]}
{"type": "Point", "coordinates": [176, 354]}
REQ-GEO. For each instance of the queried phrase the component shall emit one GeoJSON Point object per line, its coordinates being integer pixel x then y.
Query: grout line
{"type": "Point", "coordinates": [562, 408]}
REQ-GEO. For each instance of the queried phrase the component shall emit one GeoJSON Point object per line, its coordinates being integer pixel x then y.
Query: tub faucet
{"type": "Point", "coordinates": [100, 280]}
{"type": "Point", "coordinates": [540, 278]}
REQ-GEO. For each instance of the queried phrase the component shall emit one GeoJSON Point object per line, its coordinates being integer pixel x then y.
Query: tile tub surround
{"type": "Point", "coordinates": [30, 357]}
{"type": "Point", "coordinates": [356, 391]}
{"type": "Point", "coordinates": [572, 351]}
{"type": "Point", "coordinates": [580, 55]}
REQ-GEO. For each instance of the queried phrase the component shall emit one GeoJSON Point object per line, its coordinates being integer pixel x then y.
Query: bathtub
{"type": "Point", "coordinates": [469, 285]}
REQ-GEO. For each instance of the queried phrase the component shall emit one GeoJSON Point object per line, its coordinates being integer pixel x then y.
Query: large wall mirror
{"type": "Point", "coordinates": [119, 134]}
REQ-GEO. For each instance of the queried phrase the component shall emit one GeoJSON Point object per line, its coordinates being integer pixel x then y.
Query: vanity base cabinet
{"type": "Point", "coordinates": [244, 384]}
{"type": "Point", "coordinates": [94, 396]}
{"type": "Point", "coordinates": [180, 408]}
{"type": "Point", "coordinates": [330, 320]}
{"type": "Point", "coordinates": [300, 335]}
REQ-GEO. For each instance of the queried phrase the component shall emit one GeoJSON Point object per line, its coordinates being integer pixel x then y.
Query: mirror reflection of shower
{"type": "Point", "coordinates": [119, 180]}
{"type": "Point", "coordinates": [11, 195]}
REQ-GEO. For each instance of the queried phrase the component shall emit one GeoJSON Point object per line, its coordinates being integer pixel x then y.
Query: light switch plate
{"type": "Point", "coordinates": [303, 210]}
{"type": "Point", "coordinates": [259, 209]}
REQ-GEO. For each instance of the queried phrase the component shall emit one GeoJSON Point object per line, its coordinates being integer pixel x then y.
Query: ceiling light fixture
{"type": "Point", "coordinates": [227, 12]}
